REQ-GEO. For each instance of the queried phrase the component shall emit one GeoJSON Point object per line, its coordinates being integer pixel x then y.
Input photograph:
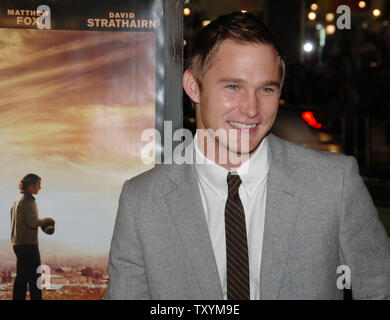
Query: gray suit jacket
{"type": "Point", "coordinates": [319, 215]}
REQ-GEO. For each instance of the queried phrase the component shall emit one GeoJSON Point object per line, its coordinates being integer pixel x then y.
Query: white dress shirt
{"type": "Point", "coordinates": [212, 181]}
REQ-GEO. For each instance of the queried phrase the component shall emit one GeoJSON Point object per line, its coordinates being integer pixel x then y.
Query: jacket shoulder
{"type": "Point", "coordinates": [26, 202]}
{"type": "Point", "coordinates": [301, 156]}
{"type": "Point", "coordinates": [157, 180]}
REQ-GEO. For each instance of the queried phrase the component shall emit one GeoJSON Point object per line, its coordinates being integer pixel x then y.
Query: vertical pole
{"type": "Point", "coordinates": [343, 133]}
{"type": "Point", "coordinates": [355, 137]}
{"type": "Point", "coordinates": [367, 145]}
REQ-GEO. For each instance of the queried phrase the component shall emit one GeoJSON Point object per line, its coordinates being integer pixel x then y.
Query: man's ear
{"type": "Point", "coordinates": [191, 86]}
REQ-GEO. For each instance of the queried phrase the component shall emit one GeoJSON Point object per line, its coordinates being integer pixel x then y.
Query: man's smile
{"type": "Point", "coordinates": [241, 125]}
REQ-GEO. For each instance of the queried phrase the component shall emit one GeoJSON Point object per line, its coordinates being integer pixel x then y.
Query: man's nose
{"type": "Point", "coordinates": [250, 105]}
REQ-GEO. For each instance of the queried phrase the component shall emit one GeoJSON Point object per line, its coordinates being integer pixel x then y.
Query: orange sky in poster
{"type": "Point", "coordinates": [75, 94]}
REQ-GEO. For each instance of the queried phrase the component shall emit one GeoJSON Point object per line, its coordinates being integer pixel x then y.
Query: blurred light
{"type": "Point", "coordinates": [373, 64]}
{"type": "Point", "coordinates": [324, 137]}
{"type": "Point", "coordinates": [314, 6]}
{"type": "Point", "coordinates": [322, 37]}
{"type": "Point", "coordinates": [364, 25]}
{"type": "Point", "coordinates": [308, 47]}
{"type": "Point", "coordinates": [311, 121]}
{"type": "Point", "coordinates": [205, 22]}
{"type": "Point", "coordinates": [362, 4]}
{"type": "Point", "coordinates": [244, 11]}
{"type": "Point", "coordinates": [329, 16]}
{"type": "Point", "coordinates": [385, 23]}
{"type": "Point", "coordinates": [333, 148]}
{"type": "Point", "coordinates": [376, 12]}
{"type": "Point", "coordinates": [312, 16]}
{"type": "Point", "coordinates": [330, 29]}
{"type": "Point", "coordinates": [319, 26]}
{"type": "Point", "coordinates": [185, 42]}
{"type": "Point", "coordinates": [187, 11]}
{"type": "Point", "coordinates": [282, 102]}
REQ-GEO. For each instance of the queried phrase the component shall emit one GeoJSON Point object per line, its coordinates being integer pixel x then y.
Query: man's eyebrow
{"type": "Point", "coordinates": [231, 80]}
{"type": "Point", "coordinates": [271, 83]}
{"type": "Point", "coordinates": [264, 83]}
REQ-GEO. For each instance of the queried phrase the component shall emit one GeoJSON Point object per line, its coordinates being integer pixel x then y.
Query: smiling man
{"type": "Point", "coordinates": [239, 92]}
{"type": "Point", "coordinates": [276, 225]}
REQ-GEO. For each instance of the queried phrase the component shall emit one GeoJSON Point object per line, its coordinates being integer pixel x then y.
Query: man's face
{"type": "Point", "coordinates": [240, 92]}
{"type": "Point", "coordinates": [34, 188]}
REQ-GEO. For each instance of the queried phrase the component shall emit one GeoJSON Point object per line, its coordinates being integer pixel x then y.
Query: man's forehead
{"type": "Point", "coordinates": [232, 53]}
{"type": "Point", "coordinates": [226, 47]}
{"type": "Point", "coordinates": [230, 50]}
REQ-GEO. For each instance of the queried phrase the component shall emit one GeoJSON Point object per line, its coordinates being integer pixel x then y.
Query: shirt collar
{"type": "Point", "coordinates": [252, 172]}
{"type": "Point", "coordinates": [210, 173]}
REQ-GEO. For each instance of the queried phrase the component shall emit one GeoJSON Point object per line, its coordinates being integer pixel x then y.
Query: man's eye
{"type": "Point", "coordinates": [232, 87]}
{"type": "Point", "coordinates": [267, 90]}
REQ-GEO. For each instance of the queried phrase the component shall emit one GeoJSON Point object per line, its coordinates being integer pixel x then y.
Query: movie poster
{"type": "Point", "coordinates": [75, 99]}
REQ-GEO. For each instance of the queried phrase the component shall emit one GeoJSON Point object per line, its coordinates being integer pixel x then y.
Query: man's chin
{"type": "Point", "coordinates": [237, 150]}
{"type": "Point", "coordinates": [243, 150]}
{"type": "Point", "coordinates": [244, 147]}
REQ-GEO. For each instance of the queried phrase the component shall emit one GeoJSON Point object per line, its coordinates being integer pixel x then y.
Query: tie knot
{"type": "Point", "coordinates": [234, 182]}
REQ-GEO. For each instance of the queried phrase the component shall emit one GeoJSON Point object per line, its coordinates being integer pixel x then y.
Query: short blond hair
{"type": "Point", "coordinates": [237, 26]}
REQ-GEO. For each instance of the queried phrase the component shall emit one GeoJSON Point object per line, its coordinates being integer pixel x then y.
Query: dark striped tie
{"type": "Point", "coordinates": [237, 262]}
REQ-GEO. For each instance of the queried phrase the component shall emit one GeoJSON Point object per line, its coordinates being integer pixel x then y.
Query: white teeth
{"type": "Point", "coordinates": [242, 125]}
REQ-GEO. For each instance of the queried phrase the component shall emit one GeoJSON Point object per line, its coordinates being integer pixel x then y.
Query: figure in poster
{"type": "Point", "coordinates": [24, 237]}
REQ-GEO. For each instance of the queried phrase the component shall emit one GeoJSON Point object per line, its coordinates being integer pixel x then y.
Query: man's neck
{"type": "Point", "coordinates": [27, 194]}
{"type": "Point", "coordinates": [229, 160]}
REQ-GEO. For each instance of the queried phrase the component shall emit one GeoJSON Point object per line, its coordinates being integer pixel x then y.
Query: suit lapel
{"type": "Point", "coordinates": [283, 202]}
{"type": "Point", "coordinates": [186, 209]}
